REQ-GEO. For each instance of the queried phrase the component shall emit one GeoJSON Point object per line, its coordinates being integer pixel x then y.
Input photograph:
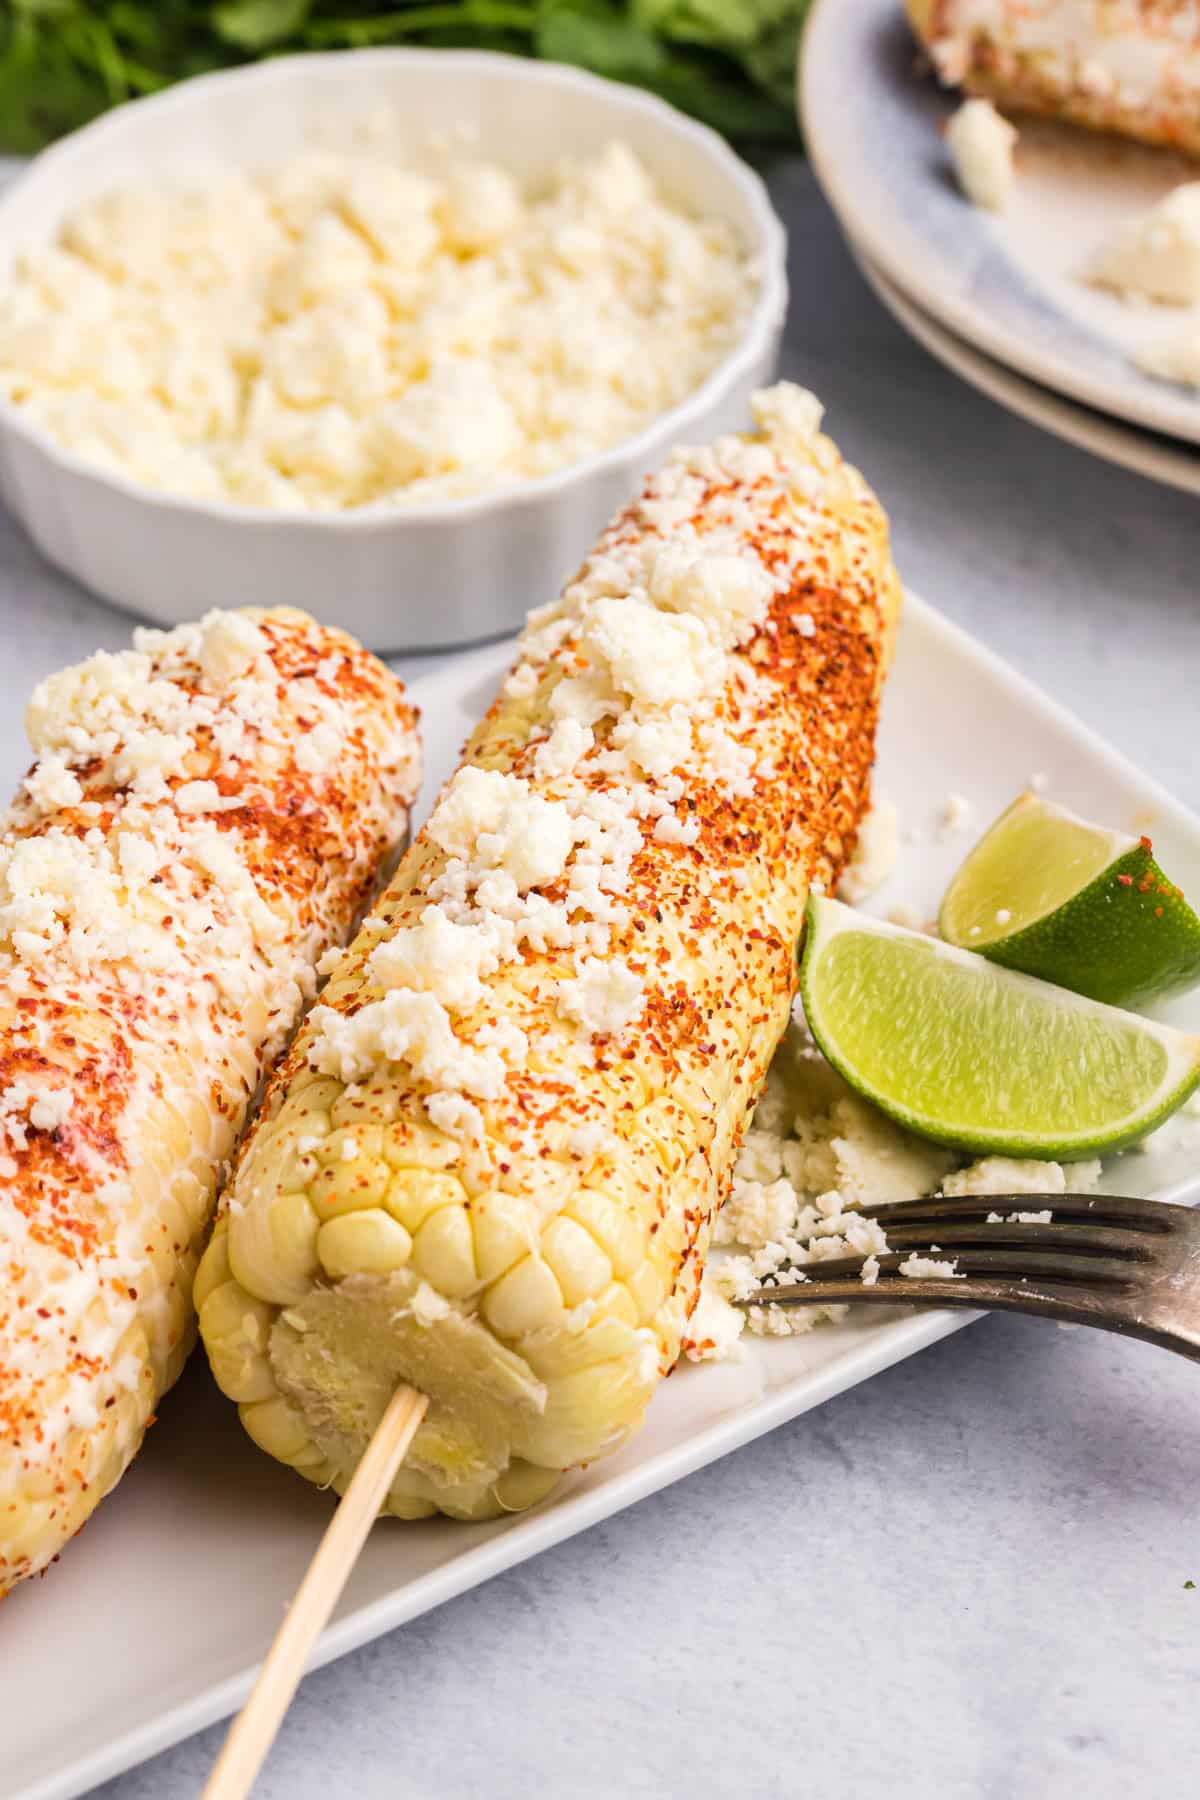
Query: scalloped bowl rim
{"type": "Point", "coordinates": [765, 316]}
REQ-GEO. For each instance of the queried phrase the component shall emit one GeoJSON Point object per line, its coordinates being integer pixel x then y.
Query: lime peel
{"type": "Point", "coordinates": [1078, 904]}
{"type": "Point", "coordinates": [981, 1057]}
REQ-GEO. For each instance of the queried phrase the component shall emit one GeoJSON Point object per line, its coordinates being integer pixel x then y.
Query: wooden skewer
{"type": "Point", "coordinates": [253, 1731]}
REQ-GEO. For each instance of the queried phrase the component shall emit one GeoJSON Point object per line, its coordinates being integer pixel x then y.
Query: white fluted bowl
{"type": "Point", "coordinates": [400, 578]}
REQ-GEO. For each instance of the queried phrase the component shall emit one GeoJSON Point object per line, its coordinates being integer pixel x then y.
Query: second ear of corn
{"type": "Point", "coordinates": [207, 814]}
{"type": "Point", "coordinates": [1126, 66]}
{"type": "Point", "coordinates": [528, 1257]}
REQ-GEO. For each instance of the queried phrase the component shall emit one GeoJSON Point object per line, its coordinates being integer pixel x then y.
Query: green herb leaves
{"type": "Point", "coordinates": [258, 25]}
{"type": "Point", "coordinates": [728, 62]}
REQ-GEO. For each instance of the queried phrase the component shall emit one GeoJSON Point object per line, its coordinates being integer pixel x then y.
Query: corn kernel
{"type": "Point", "coordinates": [616, 1302]}
{"type": "Point", "coordinates": [523, 1484]}
{"type": "Point", "coordinates": [321, 1472]}
{"type": "Point", "coordinates": [647, 1290]}
{"type": "Point", "coordinates": [277, 1428]}
{"type": "Point", "coordinates": [214, 1270]}
{"type": "Point", "coordinates": [412, 1194]}
{"type": "Point", "coordinates": [444, 1252]}
{"type": "Point", "coordinates": [307, 1094]}
{"type": "Point", "coordinates": [405, 1507]}
{"type": "Point", "coordinates": [342, 1187]}
{"type": "Point", "coordinates": [235, 1328]}
{"type": "Point", "coordinates": [579, 1264]}
{"type": "Point", "coordinates": [409, 1145]}
{"type": "Point", "coordinates": [525, 1299]}
{"type": "Point", "coordinates": [502, 1236]}
{"type": "Point", "coordinates": [293, 1226]}
{"type": "Point", "coordinates": [591, 1410]}
{"type": "Point", "coordinates": [351, 1127]}
{"type": "Point", "coordinates": [618, 1230]}
{"type": "Point", "coordinates": [276, 1156]}
{"type": "Point", "coordinates": [363, 1243]}
{"type": "Point", "coordinates": [659, 1124]}
{"type": "Point", "coordinates": [273, 1248]}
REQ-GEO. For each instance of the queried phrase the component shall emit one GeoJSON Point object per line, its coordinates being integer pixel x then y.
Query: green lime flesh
{"type": "Point", "coordinates": [1073, 903]}
{"type": "Point", "coordinates": [980, 1057]}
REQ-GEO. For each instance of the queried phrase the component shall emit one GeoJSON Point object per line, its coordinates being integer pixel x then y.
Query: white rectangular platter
{"type": "Point", "coordinates": [151, 1625]}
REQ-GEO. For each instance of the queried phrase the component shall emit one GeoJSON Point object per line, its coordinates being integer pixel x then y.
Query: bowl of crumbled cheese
{"type": "Point", "coordinates": [388, 335]}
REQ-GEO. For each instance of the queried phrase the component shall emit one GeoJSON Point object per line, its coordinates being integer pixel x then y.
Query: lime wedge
{"type": "Point", "coordinates": [1074, 903]}
{"type": "Point", "coordinates": [980, 1057]}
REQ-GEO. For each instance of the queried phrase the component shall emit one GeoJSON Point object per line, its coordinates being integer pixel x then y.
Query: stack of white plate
{"type": "Point", "coordinates": [997, 297]}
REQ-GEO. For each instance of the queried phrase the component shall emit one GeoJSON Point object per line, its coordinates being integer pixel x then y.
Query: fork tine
{"type": "Point", "coordinates": [1013, 1265]}
{"type": "Point", "coordinates": [1081, 1304]}
{"type": "Point", "coordinates": [1080, 1237]}
{"type": "Point", "coordinates": [1088, 1274]}
{"type": "Point", "coordinates": [1118, 1209]}
{"type": "Point", "coordinates": [848, 1289]}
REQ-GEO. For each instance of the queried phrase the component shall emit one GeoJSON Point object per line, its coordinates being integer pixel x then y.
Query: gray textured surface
{"type": "Point", "coordinates": [965, 1578]}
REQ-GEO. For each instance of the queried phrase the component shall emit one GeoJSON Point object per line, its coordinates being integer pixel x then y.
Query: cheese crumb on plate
{"type": "Point", "coordinates": [981, 143]}
{"type": "Point", "coordinates": [1177, 360]}
{"type": "Point", "coordinates": [814, 1154]}
{"type": "Point", "coordinates": [1155, 256]}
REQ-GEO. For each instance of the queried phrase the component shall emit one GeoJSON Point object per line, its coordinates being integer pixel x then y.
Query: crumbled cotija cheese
{"type": "Point", "coordinates": [436, 956]}
{"type": "Point", "coordinates": [1156, 256]}
{"type": "Point", "coordinates": [928, 1268]}
{"type": "Point", "coordinates": [1176, 360]}
{"type": "Point", "coordinates": [815, 1152]}
{"type": "Point", "coordinates": [29, 1106]}
{"type": "Point", "coordinates": [982, 142]}
{"type": "Point", "coordinates": [1010, 1175]}
{"type": "Point", "coordinates": [954, 817]}
{"type": "Point", "coordinates": [813, 1155]}
{"type": "Point", "coordinates": [604, 997]}
{"type": "Point", "coordinates": [715, 1327]}
{"type": "Point", "coordinates": [457, 1117]}
{"type": "Point", "coordinates": [342, 330]}
{"type": "Point", "coordinates": [499, 823]}
{"type": "Point", "coordinates": [411, 1027]}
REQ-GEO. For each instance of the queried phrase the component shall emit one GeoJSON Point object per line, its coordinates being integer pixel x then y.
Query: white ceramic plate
{"type": "Point", "coordinates": [151, 1625]}
{"type": "Point", "coordinates": [1158, 458]}
{"type": "Point", "coordinates": [1005, 283]}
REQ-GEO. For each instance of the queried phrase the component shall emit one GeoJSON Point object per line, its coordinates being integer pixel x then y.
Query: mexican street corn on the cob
{"type": "Point", "coordinates": [1127, 66]}
{"type": "Point", "coordinates": [490, 1162]}
{"type": "Point", "coordinates": [206, 816]}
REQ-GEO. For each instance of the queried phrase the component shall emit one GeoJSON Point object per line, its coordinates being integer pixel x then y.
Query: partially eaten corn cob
{"type": "Point", "coordinates": [1127, 66]}
{"type": "Point", "coordinates": [490, 1162]}
{"type": "Point", "coordinates": [206, 816]}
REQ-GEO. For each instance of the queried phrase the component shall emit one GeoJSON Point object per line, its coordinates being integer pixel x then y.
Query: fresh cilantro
{"type": "Point", "coordinates": [728, 62]}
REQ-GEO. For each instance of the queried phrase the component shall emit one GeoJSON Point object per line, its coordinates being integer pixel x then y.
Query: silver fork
{"type": "Point", "coordinates": [1122, 1265]}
